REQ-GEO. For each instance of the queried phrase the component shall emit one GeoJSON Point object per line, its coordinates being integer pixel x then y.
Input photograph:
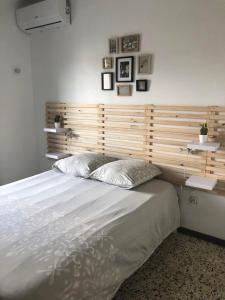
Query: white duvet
{"type": "Point", "coordinates": [71, 238]}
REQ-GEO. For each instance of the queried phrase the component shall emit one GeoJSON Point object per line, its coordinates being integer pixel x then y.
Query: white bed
{"type": "Point", "coordinates": [71, 238]}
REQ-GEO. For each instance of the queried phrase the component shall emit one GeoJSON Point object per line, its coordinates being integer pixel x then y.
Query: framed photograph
{"type": "Point", "coordinates": [114, 45]}
{"type": "Point", "coordinates": [107, 81]}
{"type": "Point", "coordinates": [124, 69]}
{"type": "Point", "coordinates": [144, 64]}
{"type": "Point", "coordinates": [130, 43]}
{"type": "Point", "coordinates": [107, 63]}
{"type": "Point", "coordinates": [142, 85]}
{"type": "Point", "coordinates": [124, 90]}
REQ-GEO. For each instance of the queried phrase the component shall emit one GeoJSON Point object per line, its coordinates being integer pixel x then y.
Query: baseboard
{"type": "Point", "coordinates": [202, 236]}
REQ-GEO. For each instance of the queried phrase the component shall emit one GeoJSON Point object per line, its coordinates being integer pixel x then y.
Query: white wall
{"type": "Point", "coordinates": [203, 212]}
{"type": "Point", "coordinates": [186, 38]}
{"type": "Point", "coordinates": [18, 155]}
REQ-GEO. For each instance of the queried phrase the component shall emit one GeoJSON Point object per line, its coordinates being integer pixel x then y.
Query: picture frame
{"type": "Point", "coordinates": [125, 69]}
{"type": "Point", "coordinates": [107, 63]}
{"type": "Point", "coordinates": [124, 90]}
{"type": "Point", "coordinates": [107, 81]}
{"type": "Point", "coordinates": [141, 85]}
{"type": "Point", "coordinates": [114, 45]}
{"type": "Point", "coordinates": [130, 43]}
{"type": "Point", "coordinates": [144, 64]}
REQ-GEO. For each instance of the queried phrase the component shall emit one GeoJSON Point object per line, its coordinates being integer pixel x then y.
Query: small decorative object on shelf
{"type": "Point", "coordinates": [58, 119]}
{"type": "Point", "coordinates": [203, 136]}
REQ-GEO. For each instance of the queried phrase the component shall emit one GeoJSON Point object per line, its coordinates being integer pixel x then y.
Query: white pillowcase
{"type": "Point", "coordinates": [126, 173]}
{"type": "Point", "coordinates": [81, 165]}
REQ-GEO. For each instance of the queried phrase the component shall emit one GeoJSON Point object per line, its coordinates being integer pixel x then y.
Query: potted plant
{"type": "Point", "coordinates": [58, 120]}
{"type": "Point", "coordinates": [203, 136]}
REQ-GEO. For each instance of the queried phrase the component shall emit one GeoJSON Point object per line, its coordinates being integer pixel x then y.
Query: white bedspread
{"type": "Point", "coordinates": [71, 238]}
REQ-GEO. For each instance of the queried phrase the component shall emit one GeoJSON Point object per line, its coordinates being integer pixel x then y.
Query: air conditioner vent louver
{"type": "Point", "coordinates": [41, 26]}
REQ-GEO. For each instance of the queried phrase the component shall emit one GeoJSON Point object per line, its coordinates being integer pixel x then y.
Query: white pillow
{"type": "Point", "coordinates": [126, 173]}
{"type": "Point", "coordinates": [81, 165]}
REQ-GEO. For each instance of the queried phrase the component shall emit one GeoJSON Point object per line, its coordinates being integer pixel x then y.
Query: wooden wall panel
{"type": "Point", "coordinates": [173, 127]}
{"type": "Point", "coordinates": [124, 130]}
{"type": "Point", "coordinates": [156, 133]}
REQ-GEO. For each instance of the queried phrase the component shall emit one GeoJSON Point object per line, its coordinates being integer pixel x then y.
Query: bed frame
{"type": "Point", "coordinates": [156, 133]}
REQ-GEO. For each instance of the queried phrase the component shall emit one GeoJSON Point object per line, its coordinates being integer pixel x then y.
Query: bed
{"type": "Point", "coordinates": [73, 238]}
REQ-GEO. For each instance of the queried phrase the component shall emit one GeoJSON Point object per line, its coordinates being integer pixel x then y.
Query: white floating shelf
{"type": "Point", "coordinates": [203, 147]}
{"type": "Point", "coordinates": [56, 130]}
{"type": "Point", "coordinates": [205, 183]}
{"type": "Point", "coordinates": [57, 155]}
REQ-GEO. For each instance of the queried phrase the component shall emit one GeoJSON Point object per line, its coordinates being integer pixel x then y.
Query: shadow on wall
{"type": "Point", "coordinates": [22, 3]}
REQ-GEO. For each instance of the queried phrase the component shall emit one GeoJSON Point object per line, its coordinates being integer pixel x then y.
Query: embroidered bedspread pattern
{"type": "Point", "coordinates": [70, 238]}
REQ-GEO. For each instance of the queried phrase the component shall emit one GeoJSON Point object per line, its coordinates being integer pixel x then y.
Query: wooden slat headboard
{"type": "Point", "coordinates": [155, 133]}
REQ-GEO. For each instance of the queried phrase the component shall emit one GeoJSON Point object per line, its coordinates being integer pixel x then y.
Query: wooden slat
{"type": "Point", "coordinates": [156, 133]}
{"type": "Point", "coordinates": [179, 115]}
{"type": "Point", "coordinates": [181, 108]}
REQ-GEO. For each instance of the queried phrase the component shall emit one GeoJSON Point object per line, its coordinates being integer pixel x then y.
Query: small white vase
{"type": "Point", "coordinates": [203, 139]}
{"type": "Point", "coordinates": [57, 125]}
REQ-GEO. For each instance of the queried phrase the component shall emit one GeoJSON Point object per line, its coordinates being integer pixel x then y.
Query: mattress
{"type": "Point", "coordinates": [72, 238]}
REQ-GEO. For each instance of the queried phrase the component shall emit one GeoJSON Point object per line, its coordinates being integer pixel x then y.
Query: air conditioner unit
{"type": "Point", "coordinates": [44, 15]}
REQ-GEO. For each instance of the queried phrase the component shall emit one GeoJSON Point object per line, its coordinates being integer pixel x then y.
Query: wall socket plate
{"type": "Point", "coordinates": [193, 199]}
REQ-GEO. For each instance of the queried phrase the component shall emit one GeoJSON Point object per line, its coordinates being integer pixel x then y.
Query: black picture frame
{"type": "Point", "coordinates": [107, 81]}
{"type": "Point", "coordinates": [142, 85]}
{"type": "Point", "coordinates": [128, 75]}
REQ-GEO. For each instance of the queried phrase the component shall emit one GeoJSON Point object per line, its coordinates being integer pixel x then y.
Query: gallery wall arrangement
{"type": "Point", "coordinates": [125, 66]}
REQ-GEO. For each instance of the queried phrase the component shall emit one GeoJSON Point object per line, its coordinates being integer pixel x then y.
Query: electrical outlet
{"type": "Point", "coordinates": [193, 200]}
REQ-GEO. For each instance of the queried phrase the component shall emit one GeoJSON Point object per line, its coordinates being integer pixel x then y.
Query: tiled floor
{"type": "Point", "coordinates": [182, 268]}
